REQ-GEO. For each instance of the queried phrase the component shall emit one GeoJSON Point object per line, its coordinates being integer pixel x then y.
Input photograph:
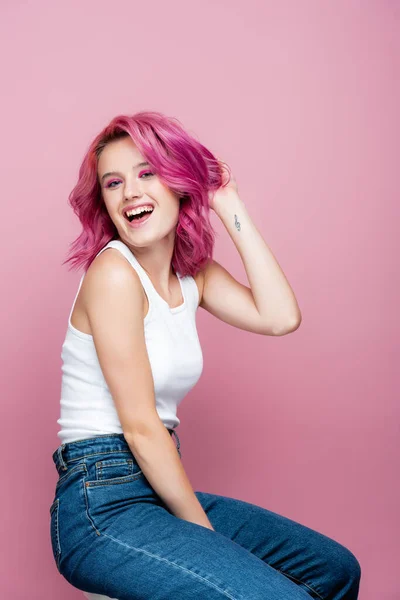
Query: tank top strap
{"type": "Point", "coordinates": [192, 292]}
{"type": "Point", "coordinates": [76, 295]}
{"type": "Point", "coordinates": [196, 293]}
{"type": "Point", "coordinates": [188, 283]}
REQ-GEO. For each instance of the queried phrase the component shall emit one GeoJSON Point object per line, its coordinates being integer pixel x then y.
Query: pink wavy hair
{"type": "Point", "coordinates": [180, 161]}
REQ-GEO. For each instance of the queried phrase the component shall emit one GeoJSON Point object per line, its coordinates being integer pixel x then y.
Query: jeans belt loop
{"type": "Point", "coordinates": [178, 442]}
{"type": "Point", "coordinates": [61, 461]}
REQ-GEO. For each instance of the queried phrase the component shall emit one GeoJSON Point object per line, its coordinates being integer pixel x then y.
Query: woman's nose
{"type": "Point", "coordinates": [133, 188]}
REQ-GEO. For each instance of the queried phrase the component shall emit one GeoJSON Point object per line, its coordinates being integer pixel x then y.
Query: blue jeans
{"type": "Point", "coordinates": [112, 534]}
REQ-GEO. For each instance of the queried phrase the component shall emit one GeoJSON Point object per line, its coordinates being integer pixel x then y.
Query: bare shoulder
{"type": "Point", "coordinates": [111, 267]}
{"type": "Point", "coordinates": [111, 260]}
{"type": "Point", "coordinates": [108, 267]}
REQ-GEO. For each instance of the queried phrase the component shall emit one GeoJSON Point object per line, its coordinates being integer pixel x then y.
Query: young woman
{"type": "Point", "coordinates": [125, 521]}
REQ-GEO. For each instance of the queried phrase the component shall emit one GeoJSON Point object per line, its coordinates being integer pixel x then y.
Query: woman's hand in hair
{"type": "Point", "coordinates": [227, 190]}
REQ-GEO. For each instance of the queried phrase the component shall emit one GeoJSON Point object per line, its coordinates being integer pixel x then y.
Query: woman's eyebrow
{"type": "Point", "coordinates": [142, 164]}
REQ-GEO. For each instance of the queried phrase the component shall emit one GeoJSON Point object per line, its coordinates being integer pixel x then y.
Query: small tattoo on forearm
{"type": "Point", "coordinates": [237, 223]}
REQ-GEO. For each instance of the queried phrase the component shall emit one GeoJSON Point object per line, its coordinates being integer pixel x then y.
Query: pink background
{"type": "Point", "coordinates": [302, 100]}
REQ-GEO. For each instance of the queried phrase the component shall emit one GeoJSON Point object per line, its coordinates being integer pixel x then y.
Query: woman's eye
{"type": "Point", "coordinates": [110, 184]}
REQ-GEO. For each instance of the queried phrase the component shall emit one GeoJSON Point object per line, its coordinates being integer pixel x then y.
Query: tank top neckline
{"type": "Point", "coordinates": [173, 309]}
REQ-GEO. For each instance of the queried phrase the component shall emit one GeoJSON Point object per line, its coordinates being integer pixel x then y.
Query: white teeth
{"type": "Point", "coordinates": [136, 211]}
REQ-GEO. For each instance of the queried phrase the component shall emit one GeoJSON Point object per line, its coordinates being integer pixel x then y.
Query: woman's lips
{"type": "Point", "coordinates": [135, 224]}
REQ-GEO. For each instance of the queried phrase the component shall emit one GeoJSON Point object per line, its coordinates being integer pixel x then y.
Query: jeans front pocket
{"type": "Point", "coordinates": [112, 486]}
{"type": "Point", "coordinates": [55, 531]}
{"type": "Point", "coordinates": [115, 468]}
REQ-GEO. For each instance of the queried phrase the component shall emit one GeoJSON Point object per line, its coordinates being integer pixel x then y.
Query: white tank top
{"type": "Point", "coordinates": [87, 408]}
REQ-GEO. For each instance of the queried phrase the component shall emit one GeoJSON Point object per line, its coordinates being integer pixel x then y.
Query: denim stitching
{"type": "Point", "coordinates": [71, 460]}
{"type": "Point", "coordinates": [114, 480]}
{"type": "Point", "coordinates": [87, 505]}
{"type": "Point", "coordinates": [73, 470]}
{"type": "Point", "coordinates": [83, 441]}
{"type": "Point", "coordinates": [145, 551]}
{"type": "Point", "coordinates": [57, 531]}
{"type": "Point", "coordinates": [171, 563]}
{"type": "Point", "coordinates": [303, 583]}
{"type": "Point", "coordinates": [101, 466]}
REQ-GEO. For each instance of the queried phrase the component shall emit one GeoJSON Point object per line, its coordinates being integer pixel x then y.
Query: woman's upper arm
{"type": "Point", "coordinates": [114, 306]}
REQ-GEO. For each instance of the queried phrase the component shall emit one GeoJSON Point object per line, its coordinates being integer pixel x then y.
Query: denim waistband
{"type": "Point", "coordinates": [108, 442]}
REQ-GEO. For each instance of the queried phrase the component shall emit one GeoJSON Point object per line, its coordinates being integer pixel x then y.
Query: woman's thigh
{"type": "Point", "coordinates": [147, 552]}
{"type": "Point", "coordinates": [316, 563]}
{"type": "Point", "coordinates": [113, 535]}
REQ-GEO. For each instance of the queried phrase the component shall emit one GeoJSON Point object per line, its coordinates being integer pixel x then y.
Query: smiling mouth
{"type": "Point", "coordinates": [140, 216]}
